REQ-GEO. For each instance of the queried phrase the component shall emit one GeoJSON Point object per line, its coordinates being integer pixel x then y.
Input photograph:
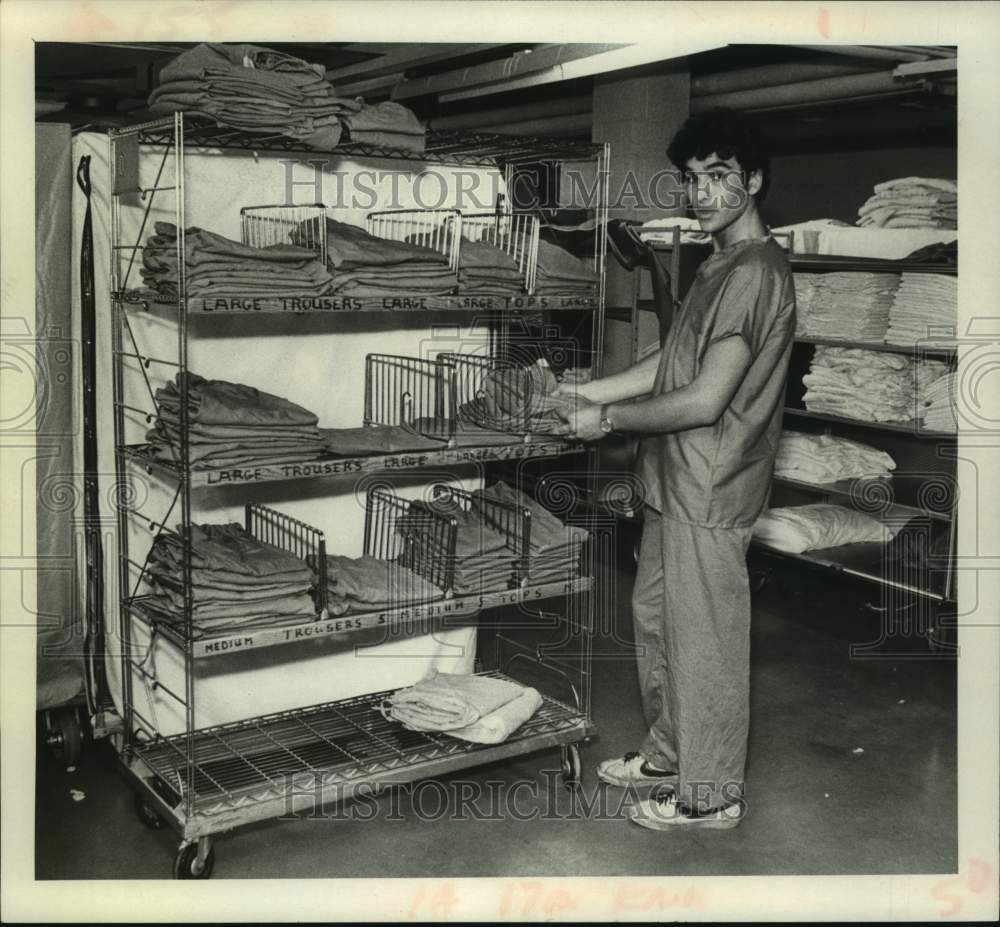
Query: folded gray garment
{"type": "Point", "coordinates": [231, 548]}
{"type": "Point", "coordinates": [350, 247]}
{"type": "Point", "coordinates": [481, 256]}
{"type": "Point", "coordinates": [210, 454]}
{"type": "Point", "coordinates": [219, 402]}
{"type": "Point", "coordinates": [360, 290]}
{"type": "Point", "coordinates": [548, 533]}
{"type": "Point", "coordinates": [376, 439]}
{"type": "Point", "coordinates": [202, 597]}
{"type": "Point", "coordinates": [366, 583]}
{"type": "Point", "coordinates": [466, 434]}
{"type": "Point", "coordinates": [197, 62]}
{"type": "Point", "coordinates": [207, 433]}
{"type": "Point", "coordinates": [389, 117]}
{"type": "Point", "coordinates": [556, 263]}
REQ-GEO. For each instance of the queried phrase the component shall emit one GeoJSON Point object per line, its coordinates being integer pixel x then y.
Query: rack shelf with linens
{"type": "Point", "coordinates": [203, 777]}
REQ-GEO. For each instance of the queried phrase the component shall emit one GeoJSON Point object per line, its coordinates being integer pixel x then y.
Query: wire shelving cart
{"type": "Point", "coordinates": [207, 780]}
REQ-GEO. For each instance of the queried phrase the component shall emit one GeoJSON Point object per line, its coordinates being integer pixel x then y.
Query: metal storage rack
{"type": "Point", "coordinates": [926, 496]}
{"type": "Point", "coordinates": [923, 493]}
{"type": "Point", "coordinates": [206, 781]}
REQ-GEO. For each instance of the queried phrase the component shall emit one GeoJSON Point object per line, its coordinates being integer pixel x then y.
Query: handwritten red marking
{"type": "Point", "coordinates": [824, 22]}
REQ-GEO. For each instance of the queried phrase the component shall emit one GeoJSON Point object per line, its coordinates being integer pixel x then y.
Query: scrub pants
{"type": "Point", "coordinates": [691, 610]}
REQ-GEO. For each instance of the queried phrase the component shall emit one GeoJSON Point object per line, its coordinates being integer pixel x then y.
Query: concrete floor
{"type": "Point", "coordinates": [815, 805]}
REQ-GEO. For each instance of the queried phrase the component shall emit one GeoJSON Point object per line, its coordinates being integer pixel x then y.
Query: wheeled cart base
{"type": "Point", "coordinates": [291, 762]}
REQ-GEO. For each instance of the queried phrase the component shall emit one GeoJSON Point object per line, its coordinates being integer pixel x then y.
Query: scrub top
{"type": "Point", "coordinates": [719, 475]}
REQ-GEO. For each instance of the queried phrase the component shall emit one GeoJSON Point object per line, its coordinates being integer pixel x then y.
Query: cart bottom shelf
{"type": "Point", "coordinates": [292, 761]}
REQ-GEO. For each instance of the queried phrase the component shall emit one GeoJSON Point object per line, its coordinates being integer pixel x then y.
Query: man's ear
{"type": "Point", "coordinates": [755, 181]}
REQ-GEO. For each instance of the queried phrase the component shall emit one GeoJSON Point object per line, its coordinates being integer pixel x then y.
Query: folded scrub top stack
{"type": "Point", "coordinates": [478, 709]}
{"type": "Point", "coordinates": [872, 386]}
{"type": "Point", "coordinates": [559, 273]}
{"type": "Point", "coordinates": [799, 528]}
{"type": "Point", "coordinates": [366, 584]}
{"type": "Point", "coordinates": [231, 425]}
{"type": "Point", "coordinates": [938, 404]}
{"type": "Point", "coordinates": [845, 305]}
{"type": "Point", "coordinates": [924, 310]}
{"type": "Point", "coordinates": [516, 400]}
{"type": "Point", "coordinates": [366, 265]}
{"type": "Point", "coordinates": [237, 581]}
{"type": "Point", "coordinates": [828, 459]}
{"type": "Point", "coordinates": [370, 440]}
{"type": "Point", "coordinates": [555, 549]}
{"type": "Point", "coordinates": [386, 125]}
{"type": "Point", "coordinates": [217, 266]}
{"type": "Point", "coordinates": [912, 203]}
{"type": "Point", "coordinates": [487, 270]}
{"type": "Point", "coordinates": [484, 558]}
{"type": "Point", "coordinates": [255, 90]}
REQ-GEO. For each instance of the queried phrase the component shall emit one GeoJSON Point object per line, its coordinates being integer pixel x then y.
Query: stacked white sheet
{"type": "Point", "coordinates": [912, 202]}
{"type": "Point", "coordinates": [853, 306]}
{"type": "Point", "coordinates": [924, 310]}
{"type": "Point", "coordinates": [872, 386]}
{"type": "Point", "coordinates": [828, 459]}
{"type": "Point", "coordinates": [939, 402]}
{"type": "Point", "coordinates": [798, 528]}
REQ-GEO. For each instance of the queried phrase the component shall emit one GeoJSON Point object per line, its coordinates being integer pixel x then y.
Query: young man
{"type": "Point", "coordinates": [711, 413]}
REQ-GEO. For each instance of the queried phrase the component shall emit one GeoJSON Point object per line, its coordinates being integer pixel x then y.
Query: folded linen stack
{"type": "Point", "coordinates": [230, 425]}
{"type": "Point", "coordinates": [366, 584]}
{"type": "Point", "coordinates": [939, 404]}
{"type": "Point", "coordinates": [366, 265]}
{"type": "Point", "coordinates": [386, 125]}
{"type": "Point", "coordinates": [517, 400]}
{"type": "Point", "coordinates": [236, 579]}
{"type": "Point", "coordinates": [798, 528]}
{"type": "Point", "coordinates": [485, 269]}
{"type": "Point", "coordinates": [925, 310]}
{"type": "Point", "coordinates": [218, 266]}
{"type": "Point", "coordinates": [912, 203]}
{"type": "Point", "coordinates": [561, 273]}
{"type": "Point", "coordinates": [828, 459]}
{"type": "Point", "coordinates": [847, 305]}
{"type": "Point", "coordinates": [555, 549]}
{"type": "Point", "coordinates": [871, 386]}
{"type": "Point", "coordinates": [377, 439]}
{"type": "Point", "coordinates": [484, 557]}
{"type": "Point", "coordinates": [479, 709]}
{"type": "Point", "coordinates": [254, 89]}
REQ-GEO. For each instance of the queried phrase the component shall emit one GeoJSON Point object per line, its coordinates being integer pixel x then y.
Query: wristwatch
{"type": "Point", "coordinates": [606, 425]}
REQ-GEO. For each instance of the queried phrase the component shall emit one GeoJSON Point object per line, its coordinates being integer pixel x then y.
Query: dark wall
{"type": "Point", "coordinates": [833, 186]}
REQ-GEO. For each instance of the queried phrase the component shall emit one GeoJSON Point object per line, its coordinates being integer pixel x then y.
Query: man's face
{"type": "Point", "coordinates": [718, 191]}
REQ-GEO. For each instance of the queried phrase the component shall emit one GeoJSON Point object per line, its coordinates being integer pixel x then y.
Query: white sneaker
{"type": "Point", "coordinates": [632, 769]}
{"type": "Point", "coordinates": [662, 812]}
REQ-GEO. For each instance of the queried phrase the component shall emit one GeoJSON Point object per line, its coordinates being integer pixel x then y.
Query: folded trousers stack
{"type": "Point", "coordinates": [230, 425]}
{"type": "Point", "coordinates": [256, 90]}
{"type": "Point", "coordinates": [555, 549]}
{"type": "Point", "coordinates": [561, 273]}
{"type": "Point", "coordinates": [365, 584]}
{"type": "Point", "coordinates": [217, 266]}
{"type": "Point", "coordinates": [366, 265]}
{"type": "Point", "coordinates": [236, 580]}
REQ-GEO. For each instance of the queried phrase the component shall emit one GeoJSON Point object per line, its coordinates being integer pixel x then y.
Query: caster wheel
{"type": "Point", "coordinates": [572, 768]}
{"type": "Point", "coordinates": [65, 735]}
{"type": "Point", "coordinates": [186, 863]}
{"type": "Point", "coordinates": [147, 814]}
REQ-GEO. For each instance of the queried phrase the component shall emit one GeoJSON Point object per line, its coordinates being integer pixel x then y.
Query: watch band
{"type": "Point", "coordinates": [606, 424]}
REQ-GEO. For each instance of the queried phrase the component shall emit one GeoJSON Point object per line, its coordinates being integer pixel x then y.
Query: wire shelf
{"type": "Point", "coordinates": [474, 149]}
{"type": "Point", "coordinates": [516, 234]}
{"type": "Point", "coordinates": [342, 743]}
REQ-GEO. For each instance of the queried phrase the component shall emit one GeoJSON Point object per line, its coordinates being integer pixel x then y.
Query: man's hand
{"type": "Point", "coordinates": [582, 420]}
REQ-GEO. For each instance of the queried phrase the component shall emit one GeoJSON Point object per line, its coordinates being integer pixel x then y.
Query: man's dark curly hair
{"type": "Point", "coordinates": [726, 133]}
